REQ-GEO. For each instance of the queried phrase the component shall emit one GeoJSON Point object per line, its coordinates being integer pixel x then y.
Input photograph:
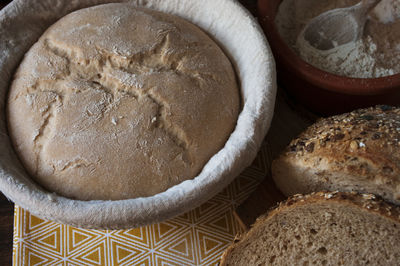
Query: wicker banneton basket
{"type": "Point", "coordinates": [22, 22]}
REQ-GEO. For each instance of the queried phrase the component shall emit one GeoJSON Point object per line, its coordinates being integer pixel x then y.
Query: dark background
{"type": "Point", "coordinates": [6, 216]}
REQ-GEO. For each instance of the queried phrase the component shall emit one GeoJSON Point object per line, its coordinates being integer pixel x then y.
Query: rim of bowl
{"type": "Point", "coordinates": [267, 10]}
{"type": "Point", "coordinates": [238, 152]}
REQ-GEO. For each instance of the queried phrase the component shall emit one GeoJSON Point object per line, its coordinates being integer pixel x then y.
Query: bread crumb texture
{"type": "Point", "coordinates": [324, 228]}
{"type": "Point", "coordinates": [117, 102]}
{"type": "Point", "coordinates": [354, 151]}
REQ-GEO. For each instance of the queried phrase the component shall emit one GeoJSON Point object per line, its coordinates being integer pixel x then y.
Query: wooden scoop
{"type": "Point", "coordinates": [338, 26]}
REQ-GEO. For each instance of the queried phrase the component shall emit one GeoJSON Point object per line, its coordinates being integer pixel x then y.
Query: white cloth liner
{"type": "Point", "coordinates": [23, 21]}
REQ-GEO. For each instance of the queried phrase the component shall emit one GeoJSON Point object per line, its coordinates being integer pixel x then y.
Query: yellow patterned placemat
{"type": "Point", "coordinates": [195, 238]}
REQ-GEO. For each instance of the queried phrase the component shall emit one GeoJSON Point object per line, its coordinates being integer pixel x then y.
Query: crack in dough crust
{"type": "Point", "coordinates": [117, 102]}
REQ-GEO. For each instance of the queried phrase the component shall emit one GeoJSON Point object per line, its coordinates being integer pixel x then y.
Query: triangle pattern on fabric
{"type": "Point", "coordinates": [197, 237]}
{"type": "Point", "coordinates": [49, 240]}
{"type": "Point", "coordinates": [182, 247]}
{"type": "Point", "coordinates": [243, 183]}
{"type": "Point", "coordinates": [224, 223]}
{"type": "Point", "coordinates": [137, 235]}
{"type": "Point", "coordinates": [260, 162]}
{"type": "Point", "coordinates": [168, 261]}
{"type": "Point", "coordinates": [122, 252]}
{"type": "Point", "coordinates": [36, 258]}
{"type": "Point", "coordinates": [79, 238]}
{"type": "Point", "coordinates": [144, 262]}
{"type": "Point", "coordinates": [164, 231]}
{"type": "Point", "coordinates": [225, 194]}
{"type": "Point", "coordinates": [186, 218]}
{"type": "Point", "coordinates": [35, 222]}
{"type": "Point", "coordinates": [210, 244]}
{"type": "Point", "coordinates": [94, 256]}
{"type": "Point", "coordinates": [206, 209]}
{"type": "Point", "coordinates": [52, 240]}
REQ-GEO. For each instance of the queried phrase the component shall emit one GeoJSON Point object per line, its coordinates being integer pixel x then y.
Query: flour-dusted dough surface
{"type": "Point", "coordinates": [22, 23]}
{"type": "Point", "coordinates": [117, 102]}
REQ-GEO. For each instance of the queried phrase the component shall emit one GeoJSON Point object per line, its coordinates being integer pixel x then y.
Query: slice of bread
{"type": "Point", "coordinates": [357, 151]}
{"type": "Point", "coordinates": [324, 228]}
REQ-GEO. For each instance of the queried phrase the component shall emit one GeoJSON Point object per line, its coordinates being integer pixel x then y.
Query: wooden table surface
{"type": "Point", "coordinates": [7, 207]}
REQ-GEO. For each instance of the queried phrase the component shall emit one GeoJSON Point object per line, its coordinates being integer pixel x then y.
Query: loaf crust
{"type": "Point", "coordinates": [367, 203]}
{"type": "Point", "coordinates": [116, 102]}
{"type": "Point", "coordinates": [355, 151]}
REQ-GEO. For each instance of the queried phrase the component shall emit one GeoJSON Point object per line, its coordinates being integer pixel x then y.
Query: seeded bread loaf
{"type": "Point", "coordinates": [116, 102]}
{"type": "Point", "coordinates": [357, 151]}
{"type": "Point", "coordinates": [324, 228]}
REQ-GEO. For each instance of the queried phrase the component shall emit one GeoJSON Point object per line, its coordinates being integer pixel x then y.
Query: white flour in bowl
{"type": "Point", "coordinates": [377, 54]}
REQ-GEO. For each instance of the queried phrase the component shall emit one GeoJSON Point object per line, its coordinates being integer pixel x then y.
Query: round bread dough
{"type": "Point", "coordinates": [116, 102]}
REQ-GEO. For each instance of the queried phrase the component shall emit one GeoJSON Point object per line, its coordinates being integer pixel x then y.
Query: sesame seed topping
{"type": "Point", "coordinates": [368, 196]}
{"type": "Point", "coordinates": [354, 145]}
{"type": "Point", "coordinates": [329, 195]}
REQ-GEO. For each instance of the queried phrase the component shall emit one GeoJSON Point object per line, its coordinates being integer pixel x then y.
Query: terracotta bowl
{"type": "Point", "coordinates": [320, 91]}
